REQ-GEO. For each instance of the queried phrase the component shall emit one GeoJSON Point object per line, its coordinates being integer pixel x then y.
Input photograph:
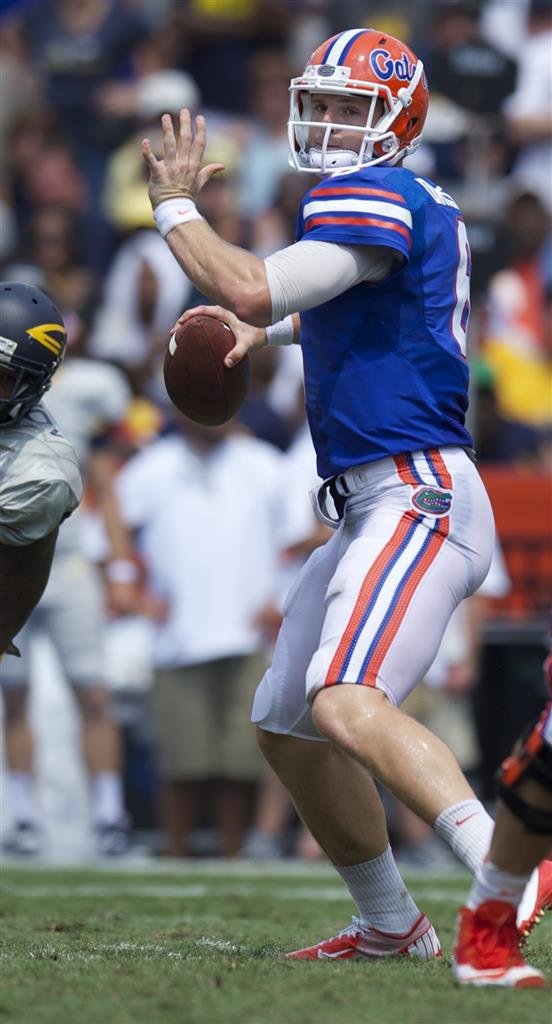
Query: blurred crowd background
{"type": "Point", "coordinates": [127, 717]}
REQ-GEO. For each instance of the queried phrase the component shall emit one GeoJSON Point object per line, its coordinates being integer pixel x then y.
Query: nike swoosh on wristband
{"type": "Point", "coordinates": [460, 821]}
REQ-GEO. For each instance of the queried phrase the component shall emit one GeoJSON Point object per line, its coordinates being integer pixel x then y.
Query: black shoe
{"type": "Point", "coordinates": [113, 838]}
{"type": "Point", "coordinates": [24, 839]}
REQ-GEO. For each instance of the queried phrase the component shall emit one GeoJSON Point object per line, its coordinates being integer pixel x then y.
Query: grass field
{"type": "Point", "coordinates": [199, 946]}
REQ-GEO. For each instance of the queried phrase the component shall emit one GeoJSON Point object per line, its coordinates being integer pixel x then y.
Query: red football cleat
{"type": "Point", "coordinates": [357, 941]}
{"type": "Point", "coordinates": [536, 899]}
{"type": "Point", "coordinates": [487, 949]}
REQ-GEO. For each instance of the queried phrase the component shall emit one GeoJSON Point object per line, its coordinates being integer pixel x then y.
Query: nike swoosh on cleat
{"type": "Point", "coordinates": [460, 821]}
{"type": "Point", "coordinates": [332, 956]}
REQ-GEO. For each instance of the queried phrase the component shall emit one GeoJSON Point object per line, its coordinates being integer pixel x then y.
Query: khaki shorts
{"type": "Point", "coordinates": [201, 719]}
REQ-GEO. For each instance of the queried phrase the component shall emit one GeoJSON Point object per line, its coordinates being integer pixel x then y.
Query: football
{"type": "Point", "coordinates": [197, 381]}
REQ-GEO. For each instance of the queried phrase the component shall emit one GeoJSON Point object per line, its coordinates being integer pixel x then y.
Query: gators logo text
{"type": "Point", "coordinates": [42, 334]}
{"type": "Point", "coordinates": [432, 502]}
{"type": "Point", "coordinates": [384, 66]}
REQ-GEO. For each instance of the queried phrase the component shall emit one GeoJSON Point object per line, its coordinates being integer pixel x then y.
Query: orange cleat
{"type": "Point", "coordinates": [359, 942]}
{"type": "Point", "coordinates": [487, 949]}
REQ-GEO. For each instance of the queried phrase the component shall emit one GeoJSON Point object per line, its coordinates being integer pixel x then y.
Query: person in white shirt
{"type": "Point", "coordinates": [529, 110]}
{"type": "Point", "coordinates": [205, 506]}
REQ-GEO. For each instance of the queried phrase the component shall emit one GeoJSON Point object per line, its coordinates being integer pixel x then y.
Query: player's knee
{"type": "Point", "coordinates": [343, 714]}
{"type": "Point", "coordinates": [15, 706]}
{"type": "Point", "coordinates": [94, 703]}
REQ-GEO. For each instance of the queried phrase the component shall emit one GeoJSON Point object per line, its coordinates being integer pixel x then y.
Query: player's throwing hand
{"type": "Point", "coordinates": [179, 174]}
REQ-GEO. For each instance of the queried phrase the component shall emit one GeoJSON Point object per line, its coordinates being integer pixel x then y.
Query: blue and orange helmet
{"type": "Point", "coordinates": [368, 63]}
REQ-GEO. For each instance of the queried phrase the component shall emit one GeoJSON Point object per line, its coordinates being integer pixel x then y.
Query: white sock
{"type": "Point", "coordinates": [22, 796]}
{"type": "Point", "coordinates": [493, 884]}
{"type": "Point", "coordinates": [467, 829]}
{"type": "Point", "coordinates": [382, 899]}
{"type": "Point", "coordinates": [107, 798]}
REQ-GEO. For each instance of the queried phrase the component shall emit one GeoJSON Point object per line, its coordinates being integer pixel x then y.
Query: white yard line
{"type": "Point", "coordinates": [319, 893]}
{"type": "Point", "coordinates": [211, 866]}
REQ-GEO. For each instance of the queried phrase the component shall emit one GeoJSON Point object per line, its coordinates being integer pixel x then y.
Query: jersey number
{"type": "Point", "coordinates": [461, 312]}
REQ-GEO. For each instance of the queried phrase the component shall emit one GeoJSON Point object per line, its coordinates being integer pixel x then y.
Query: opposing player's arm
{"type": "Point", "coordinates": [24, 571]}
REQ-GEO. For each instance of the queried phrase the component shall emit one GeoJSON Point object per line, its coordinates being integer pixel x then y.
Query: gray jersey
{"type": "Point", "coordinates": [86, 397]}
{"type": "Point", "coordinates": [40, 483]}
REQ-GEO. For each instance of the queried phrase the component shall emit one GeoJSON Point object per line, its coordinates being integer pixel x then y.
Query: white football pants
{"type": "Point", "coordinates": [370, 607]}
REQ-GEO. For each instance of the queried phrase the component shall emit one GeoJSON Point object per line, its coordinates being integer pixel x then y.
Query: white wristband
{"type": "Point", "coordinates": [171, 212]}
{"type": "Point", "coordinates": [280, 333]}
{"type": "Point", "coordinates": [121, 570]}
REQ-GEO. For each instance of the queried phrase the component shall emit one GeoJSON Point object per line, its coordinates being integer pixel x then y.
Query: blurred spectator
{"type": "Point", "coordinates": [217, 41]}
{"type": "Point", "coordinates": [78, 48]}
{"type": "Point", "coordinates": [497, 438]}
{"type": "Point", "coordinates": [505, 25]}
{"type": "Point", "coordinates": [302, 533]}
{"type": "Point", "coordinates": [50, 246]}
{"type": "Point", "coordinates": [470, 79]}
{"type": "Point", "coordinates": [84, 53]}
{"type": "Point", "coordinates": [218, 201]}
{"type": "Point", "coordinates": [275, 227]}
{"type": "Point", "coordinates": [125, 197]}
{"type": "Point", "coordinates": [206, 506]}
{"type": "Point", "coordinates": [516, 334]}
{"type": "Point", "coordinates": [463, 65]}
{"type": "Point", "coordinates": [266, 153]}
{"type": "Point", "coordinates": [144, 292]}
{"type": "Point", "coordinates": [86, 399]}
{"type": "Point", "coordinates": [529, 110]}
{"type": "Point", "coordinates": [20, 93]}
{"type": "Point", "coordinates": [256, 413]}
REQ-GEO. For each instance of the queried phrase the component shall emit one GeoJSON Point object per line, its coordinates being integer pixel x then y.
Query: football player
{"type": "Point", "coordinates": [40, 483]}
{"type": "Point", "coordinates": [376, 289]}
{"type": "Point", "coordinates": [488, 938]}
{"type": "Point", "coordinates": [87, 398]}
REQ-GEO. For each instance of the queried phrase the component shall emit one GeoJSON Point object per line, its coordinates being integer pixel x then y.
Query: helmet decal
{"type": "Point", "coordinates": [384, 66]}
{"type": "Point", "coordinates": [41, 334]}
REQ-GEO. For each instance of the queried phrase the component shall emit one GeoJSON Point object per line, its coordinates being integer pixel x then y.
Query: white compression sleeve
{"type": "Point", "coordinates": [309, 273]}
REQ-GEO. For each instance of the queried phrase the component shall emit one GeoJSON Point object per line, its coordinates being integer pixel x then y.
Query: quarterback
{"type": "Point", "coordinates": [376, 290]}
{"type": "Point", "coordinates": [40, 483]}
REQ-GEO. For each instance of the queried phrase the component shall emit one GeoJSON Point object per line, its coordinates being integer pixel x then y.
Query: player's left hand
{"type": "Point", "coordinates": [179, 174]}
{"type": "Point", "coordinates": [245, 336]}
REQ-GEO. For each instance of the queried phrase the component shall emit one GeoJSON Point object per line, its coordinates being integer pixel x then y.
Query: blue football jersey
{"type": "Point", "coordinates": [385, 364]}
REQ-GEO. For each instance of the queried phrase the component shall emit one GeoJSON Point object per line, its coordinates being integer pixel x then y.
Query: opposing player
{"type": "Point", "coordinates": [87, 398]}
{"type": "Point", "coordinates": [40, 483]}
{"type": "Point", "coordinates": [380, 277]}
{"type": "Point", "coordinates": [488, 937]}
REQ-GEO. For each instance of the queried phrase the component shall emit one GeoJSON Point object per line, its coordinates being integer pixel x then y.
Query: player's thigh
{"type": "Point", "coordinates": [15, 672]}
{"type": "Point", "coordinates": [76, 620]}
{"type": "Point", "coordinates": [396, 586]}
{"type": "Point", "coordinates": [238, 751]}
{"type": "Point", "coordinates": [280, 704]}
{"type": "Point", "coordinates": [184, 729]}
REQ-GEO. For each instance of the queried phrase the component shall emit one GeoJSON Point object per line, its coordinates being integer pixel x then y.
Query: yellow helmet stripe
{"type": "Point", "coordinates": [40, 334]}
